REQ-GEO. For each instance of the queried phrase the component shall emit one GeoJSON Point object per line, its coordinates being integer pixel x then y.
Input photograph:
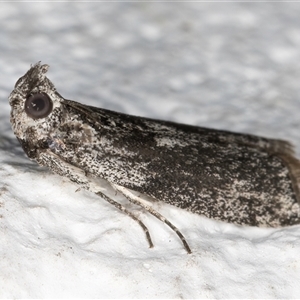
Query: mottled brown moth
{"type": "Point", "coordinates": [237, 178]}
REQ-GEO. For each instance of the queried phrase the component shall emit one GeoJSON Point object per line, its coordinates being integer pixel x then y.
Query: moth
{"type": "Point", "coordinates": [232, 177]}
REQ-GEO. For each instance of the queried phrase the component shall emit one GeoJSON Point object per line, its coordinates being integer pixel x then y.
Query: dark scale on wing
{"type": "Point", "coordinates": [231, 177]}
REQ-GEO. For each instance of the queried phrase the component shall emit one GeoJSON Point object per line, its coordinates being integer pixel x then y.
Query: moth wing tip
{"type": "Point", "coordinates": [293, 165]}
{"type": "Point", "coordinates": [282, 147]}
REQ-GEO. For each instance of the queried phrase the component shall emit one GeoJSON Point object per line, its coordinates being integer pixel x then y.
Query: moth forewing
{"type": "Point", "coordinates": [233, 177]}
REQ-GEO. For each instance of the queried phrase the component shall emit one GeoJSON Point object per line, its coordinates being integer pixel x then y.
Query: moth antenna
{"type": "Point", "coordinates": [135, 200]}
{"type": "Point", "coordinates": [130, 214]}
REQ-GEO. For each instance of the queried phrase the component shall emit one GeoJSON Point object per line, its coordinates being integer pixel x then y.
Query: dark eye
{"type": "Point", "coordinates": [38, 106]}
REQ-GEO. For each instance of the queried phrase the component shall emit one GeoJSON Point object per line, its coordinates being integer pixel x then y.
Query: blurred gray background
{"type": "Point", "coordinates": [233, 66]}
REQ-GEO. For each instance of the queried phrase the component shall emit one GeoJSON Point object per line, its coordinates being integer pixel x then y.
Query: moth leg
{"type": "Point", "coordinates": [130, 214]}
{"type": "Point", "coordinates": [79, 176]}
{"type": "Point", "coordinates": [136, 200]}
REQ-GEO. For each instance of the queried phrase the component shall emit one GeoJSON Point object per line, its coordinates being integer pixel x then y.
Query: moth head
{"type": "Point", "coordinates": [35, 106]}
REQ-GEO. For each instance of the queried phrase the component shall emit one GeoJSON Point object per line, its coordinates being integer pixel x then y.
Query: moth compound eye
{"type": "Point", "coordinates": [38, 106]}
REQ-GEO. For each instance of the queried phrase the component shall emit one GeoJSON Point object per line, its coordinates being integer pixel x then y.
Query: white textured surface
{"type": "Point", "coordinates": [232, 66]}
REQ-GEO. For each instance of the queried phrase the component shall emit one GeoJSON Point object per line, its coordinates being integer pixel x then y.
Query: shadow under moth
{"type": "Point", "coordinates": [237, 178]}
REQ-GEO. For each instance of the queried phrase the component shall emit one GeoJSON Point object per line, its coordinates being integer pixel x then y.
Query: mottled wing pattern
{"type": "Point", "coordinates": [237, 178]}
